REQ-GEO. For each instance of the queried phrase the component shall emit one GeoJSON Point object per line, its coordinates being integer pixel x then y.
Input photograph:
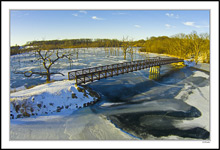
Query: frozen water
{"type": "Point", "coordinates": [132, 106]}
{"type": "Point", "coordinates": [81, 58]}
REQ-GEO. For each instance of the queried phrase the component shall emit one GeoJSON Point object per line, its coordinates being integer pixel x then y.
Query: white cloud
{"type": "Point", "coordinates": [168, 26]}
{"type": "Point", "coordinates": [172, 15]}
{"type": "Point", "coordinates": [137, 26]}
{"type": "Point", "coordinates": [83, 11]}
{"type": "Point", "coordinates": [192, 24]}
{"type": "Point", "coordinates": [96, 18]}
{"type": "Point", "coordinates": [80, 13]}
{"type": "Point", "coordinates": [189, 23]}
{"type": "Point", "coordinates": [169, 15]}
{"type": "Point", "coordinates": [75, 15]}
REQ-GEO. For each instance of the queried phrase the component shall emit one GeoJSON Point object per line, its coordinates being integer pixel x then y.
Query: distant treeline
{"type": "Point", "coordinates": [181, 45]}
{"type": "Point", "coordinates": [73, 43]}
{"type": "Point", "coordinates": [66, 43]}
{"type": "Point", "coordinates": [184, 46]}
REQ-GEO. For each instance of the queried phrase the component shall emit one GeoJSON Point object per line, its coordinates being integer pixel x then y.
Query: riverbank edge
{"type": "Point", "coordinates": [200, 66]}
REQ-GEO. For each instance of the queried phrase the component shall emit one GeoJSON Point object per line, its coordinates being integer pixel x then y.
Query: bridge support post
{"type": "Point", "coordinates": [105, 73]}
{"type": "Point", "coordinates": [84, 79]}
{"type": "Point", "coordinates": [112, 71]}
{"type": "Point", "coordinates": [158, 69]}
{"type": "Point", "coordinates": [76, 78]}
{"type": "Point", "coordinates": [154, 69]}
{"type": "Point", "coordinates": [92, 77]}
{"type": "Point", "coordinates": [117, 69]}
{"type": "Point", "coordinates": [99, 75]}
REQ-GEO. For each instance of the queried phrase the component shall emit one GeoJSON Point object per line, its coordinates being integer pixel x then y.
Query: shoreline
{"type": "Point", "coordinates": [200, 66]}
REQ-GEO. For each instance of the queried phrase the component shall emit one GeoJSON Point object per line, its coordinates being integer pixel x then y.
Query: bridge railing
{"type": "Point", "coordinates": [99, 72]}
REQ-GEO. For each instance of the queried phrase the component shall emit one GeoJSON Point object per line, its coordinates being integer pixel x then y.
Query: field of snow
{"type": "Point", "coordinates": [81, 58]}
{"type": "Point", "coordinates": [50, 111]}
{"type": "Point", "coordinates": [49, 98]}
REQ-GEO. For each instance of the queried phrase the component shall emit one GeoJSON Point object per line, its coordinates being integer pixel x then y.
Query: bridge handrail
{"type": "Point", "coordinates": [124, 64]}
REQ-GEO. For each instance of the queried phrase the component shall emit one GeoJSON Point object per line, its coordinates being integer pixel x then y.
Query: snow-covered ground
{"type": "Point", "coordinates": [82, 58]}
{"type": "Point", "coordinates": [55, 119]}
{"type": "Point", "coordinates": [84, 124]}
{"type": "Point", "coordinates": [51, 111]}
{"type": "Point", "coordinates": [49, 98]}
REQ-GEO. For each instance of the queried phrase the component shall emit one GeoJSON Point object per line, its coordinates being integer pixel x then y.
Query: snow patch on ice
{"type": "Point", "coordinates": [197, 97]}
{"type": "Point", "coordinates": [201, 103]}
{"type": "Point", "coordinates": [200, 74]}
{"type": "Point", "coordinates": [110, 104]}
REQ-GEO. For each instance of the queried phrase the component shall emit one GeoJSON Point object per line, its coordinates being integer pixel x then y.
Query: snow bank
{"type": "Point", "coordinates": [198, 97]}
{"type": "Point", "coordinates": [49, 98]}
{"type": "Point", "coordinates": [203, 66]}
{"type": "Point", "coordinates": [18, 89]}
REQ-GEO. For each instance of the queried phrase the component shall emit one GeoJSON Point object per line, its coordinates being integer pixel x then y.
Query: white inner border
{"type": "Point", "coordinates": [5, 57]}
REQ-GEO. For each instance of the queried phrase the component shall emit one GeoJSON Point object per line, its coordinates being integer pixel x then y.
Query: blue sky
{"type": "Point", "coordinates": [30, 25]}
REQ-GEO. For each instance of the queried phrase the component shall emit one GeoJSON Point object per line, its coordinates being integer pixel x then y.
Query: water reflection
{"type": "Point", "coordinates": [154, 76]}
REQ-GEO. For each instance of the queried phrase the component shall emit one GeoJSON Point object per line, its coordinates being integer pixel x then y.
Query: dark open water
{"type": "Point", "coordinates": [146, 107]}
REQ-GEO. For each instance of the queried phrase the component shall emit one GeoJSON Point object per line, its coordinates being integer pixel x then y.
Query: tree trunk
{"type": "Point", "coordinates": [48, 75]}
{"type": "Point", "coordinates": [124, 56]}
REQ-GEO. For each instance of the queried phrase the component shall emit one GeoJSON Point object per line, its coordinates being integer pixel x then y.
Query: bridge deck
{"type": "Point", "coordinates": [100, 72]}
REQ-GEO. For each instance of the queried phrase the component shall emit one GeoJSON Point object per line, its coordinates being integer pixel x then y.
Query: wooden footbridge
{"type": "Point", "coordinates": [100, 72]}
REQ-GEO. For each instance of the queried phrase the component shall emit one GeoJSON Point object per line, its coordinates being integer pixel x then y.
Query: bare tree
{"type": "Point", "coordinates": [48, 58]}
{"type": "Point", "coordinates": [125, 45]}
{"type": "Point", "coordinates": [131, 49]}
{"type": "Point", "coordinates": [48, 61]}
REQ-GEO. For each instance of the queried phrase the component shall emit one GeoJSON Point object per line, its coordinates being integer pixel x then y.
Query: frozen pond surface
{"type": "Point", "coordinates": [149, 108]}
{"type": "Point", "coordinates": [137, 105]}
{"type": "Point", "coordinates": [81, 58]}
